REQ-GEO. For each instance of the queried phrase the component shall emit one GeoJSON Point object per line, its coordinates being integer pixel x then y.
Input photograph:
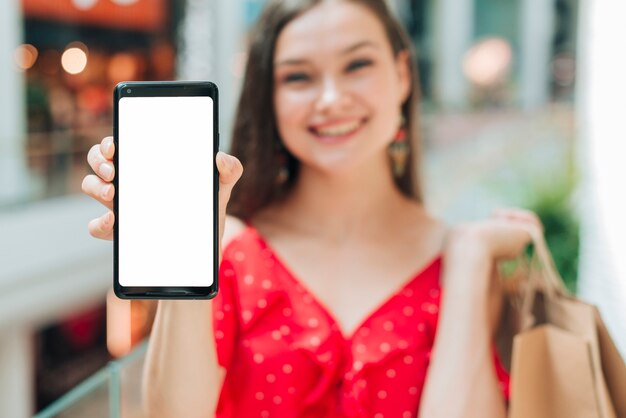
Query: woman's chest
{"type": "Point", "coordinates": [291, 349]}
{"type": "Point", "coordinates": [354, 315]}
{"type": "Point", "coordinates": [350, 283]}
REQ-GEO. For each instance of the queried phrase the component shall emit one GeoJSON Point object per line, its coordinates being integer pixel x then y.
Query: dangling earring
{"type": "Point", "coordinates": [283, 170]}
{"type": "Point", "coordinates": [399, 150]}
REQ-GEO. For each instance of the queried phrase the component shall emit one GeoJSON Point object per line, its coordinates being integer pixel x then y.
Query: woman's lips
{"type": "Point", "coordinates": [337, 131]}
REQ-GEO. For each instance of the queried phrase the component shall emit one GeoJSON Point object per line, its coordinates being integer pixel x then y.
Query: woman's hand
{"type": "Point", "coordinates": [477, 246]}
{"type": "Point", "coordinates": [98, 186]}
{"type": "Point", "coordinates": [504, 235]}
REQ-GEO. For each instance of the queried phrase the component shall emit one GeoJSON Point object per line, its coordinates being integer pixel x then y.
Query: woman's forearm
{"type": "Point", "coordinates": [461, 380]}
{"type": "Point", "coordinates": [181, 375]}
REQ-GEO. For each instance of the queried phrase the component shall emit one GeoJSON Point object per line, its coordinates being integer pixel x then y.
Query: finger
{"type": "Point", "coordinates": [102, 227]}
{"type": "Point", "coordinates": [501, 213]}
{"type": "Point", "coordinates": [525, 215]}
{"type": "Point", "coordinates": [107, 148]}
{"type": "Point", "coordinates": [514, 238]}
{"type": "Point", "coordinates": [95, 157]}
{"type": "Point", "coordinates": [528, 215]}
{"type": "Point", "coordinates": [100, 165]}
{"type": "Point", "coordinates": [518, 214]}
{"type": "Point", "coordinates": [100, 190]}
{"type": "Point", "coordinates": [230, 170]}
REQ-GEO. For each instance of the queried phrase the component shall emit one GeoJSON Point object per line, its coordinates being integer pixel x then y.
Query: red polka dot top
{"type": "Point", "coordinates": [286, 356]}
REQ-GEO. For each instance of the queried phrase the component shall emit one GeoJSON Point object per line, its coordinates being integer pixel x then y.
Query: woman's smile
{"type": "Point", "coordinates": [338, 130]}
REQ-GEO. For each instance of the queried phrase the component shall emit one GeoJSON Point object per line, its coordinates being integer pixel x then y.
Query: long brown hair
{"type": "Point", "coordinates": [256, 141]}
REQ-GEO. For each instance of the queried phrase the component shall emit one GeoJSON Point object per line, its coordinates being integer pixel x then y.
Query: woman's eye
{"type": "Point", "coordinates": [357, 64]}
{"type": "Point", "coordinates": [295, 77]}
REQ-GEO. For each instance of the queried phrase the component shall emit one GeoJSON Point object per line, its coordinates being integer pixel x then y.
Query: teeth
{"type": "Point", "coordinates": [337, 130]}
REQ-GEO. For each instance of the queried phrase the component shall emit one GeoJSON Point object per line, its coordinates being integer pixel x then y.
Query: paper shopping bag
{"type": "Point", "coordinates": [613, 367]}
{"type": "Point", "coordinates": [551, 376]}
{"type": "Point", "coordinates": [562, 360]}
{"type": "Point", "coordinates": [558, 368]}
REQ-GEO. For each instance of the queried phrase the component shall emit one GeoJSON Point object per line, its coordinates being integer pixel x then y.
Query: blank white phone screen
{"type": "Point", "coordinates": [165, 200]}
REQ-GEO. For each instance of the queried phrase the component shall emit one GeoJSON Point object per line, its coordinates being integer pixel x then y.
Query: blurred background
{"type": "Point", "coordinates": [522, 106]}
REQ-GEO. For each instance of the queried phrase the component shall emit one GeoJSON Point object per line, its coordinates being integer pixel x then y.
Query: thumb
{"type": "Point", "coordinates": [230, 170]}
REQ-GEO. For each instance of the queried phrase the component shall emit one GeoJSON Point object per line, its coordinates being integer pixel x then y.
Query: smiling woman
{"type": "Point", "coordinates": [330, 301]}
{"type": "Point", "coordinates": [357, 61]}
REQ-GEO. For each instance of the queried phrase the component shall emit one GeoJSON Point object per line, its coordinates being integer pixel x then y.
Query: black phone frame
{"type": "Point", "coordinates": [165, 89]}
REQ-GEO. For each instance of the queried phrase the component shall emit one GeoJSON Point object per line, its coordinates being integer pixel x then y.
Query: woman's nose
{"type": "Point", "coordinates": [330, 96]}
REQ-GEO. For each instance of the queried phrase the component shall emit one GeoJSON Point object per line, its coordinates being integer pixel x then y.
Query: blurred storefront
{"type": "Point", "coordinates": [74, 52]}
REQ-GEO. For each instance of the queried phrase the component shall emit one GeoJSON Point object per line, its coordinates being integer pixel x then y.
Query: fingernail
{"type": "Point", "coordinates": [226, 161]}
{"type": "Point", "coordinates": [106, 170]}
{"type": "Point", "coordinates": [106, 219]}
{"type": "Point", "coordinates": [107, 147]}
{"type": "Point", "coordinates": [106, 191]}
{"type": "Point", "coordinates": [230, 161]}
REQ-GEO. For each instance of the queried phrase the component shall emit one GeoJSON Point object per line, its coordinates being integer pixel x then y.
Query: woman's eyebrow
{"type": "Point", "coordinates": [359, 45]}
{"type": "Point", "coordinates": [351, 48]}
{"type": "Point", "coordinates": [291, 61]}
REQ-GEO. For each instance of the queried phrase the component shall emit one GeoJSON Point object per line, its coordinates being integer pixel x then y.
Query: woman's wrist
{"type": "Point", "coordinates": [468, 260]}
{"type": "Point", "coordinates": [469, 244]}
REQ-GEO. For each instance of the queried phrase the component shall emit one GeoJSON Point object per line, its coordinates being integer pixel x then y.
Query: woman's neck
{"type": "Point", "coordinates": [338, 206]}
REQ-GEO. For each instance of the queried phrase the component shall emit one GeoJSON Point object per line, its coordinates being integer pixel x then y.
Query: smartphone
{"type": "Point", "coordinates": [166, 183]}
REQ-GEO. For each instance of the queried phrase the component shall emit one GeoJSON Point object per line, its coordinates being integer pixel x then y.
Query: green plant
{"type": "Point", "coordinates": [551, 203]}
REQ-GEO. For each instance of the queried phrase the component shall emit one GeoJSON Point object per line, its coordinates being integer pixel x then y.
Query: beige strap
{"type": "Point", "coordinates": [542, 276]}
{"type": "Point", "coordinates": [552, 279]}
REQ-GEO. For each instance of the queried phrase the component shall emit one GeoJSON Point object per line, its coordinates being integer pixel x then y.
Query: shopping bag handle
{"type": "Point", "coordinates": [542, 276]}
{"type": "Point", "coordinates": [552, 279]}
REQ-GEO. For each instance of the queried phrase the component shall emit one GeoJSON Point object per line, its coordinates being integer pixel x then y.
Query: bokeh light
{"type": "Point", "coordinates": [487, 62]}
{"type": "Point", "coordinates": [564, 69]}
{"type": "Point", "coordinates": [123, 66]}
{"type": "Point", "coordinates": [74, 58]}
{"type": "Point", "coordinates": [84, 4]}
{"type": "Point", "coordinates": [25, 56]}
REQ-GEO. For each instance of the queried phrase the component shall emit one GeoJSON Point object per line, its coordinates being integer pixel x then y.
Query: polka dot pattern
{"type": "Point", "coordinates": [283, 349]}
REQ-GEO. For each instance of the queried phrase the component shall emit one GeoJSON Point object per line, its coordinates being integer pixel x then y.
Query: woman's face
{"type": "Point", "coordinates": [338, 87]}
